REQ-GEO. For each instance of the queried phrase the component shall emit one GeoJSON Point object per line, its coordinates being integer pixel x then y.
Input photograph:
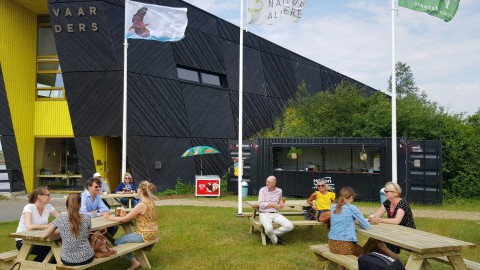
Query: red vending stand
{"type": "Point", "coordinates": [207, 185]}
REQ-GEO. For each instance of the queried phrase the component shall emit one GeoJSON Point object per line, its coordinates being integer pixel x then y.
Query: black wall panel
{"type": "Point", "coordinates": [228, 31]}
{"type": "Point", "coordinates": [156, 107]}
{"type": "Point", "coordinates": [208, 112]}
{"type": "Point", "coordinates": [309, 75]}
{"type": "Point", "coordinates": [279, 75]}
{"type": "Point", "coordinates": [87, 50]}
{"type": "Point", "coordinates": [167, 150]}
{"type": "Point", "coordinates": [6, 125]}
{"type": "Point", "coordinates": [85, 157]}
{"type": "Point", "coordinates": [136, 159]}
{"type": "Point", "coordinates": [199, 50]}
{"type": "Point", "coordinates": [253, 78]}
{"type": "Point", "coordinates": [151, 58]}
{"type": "Point", "coordinates": [95, 100]}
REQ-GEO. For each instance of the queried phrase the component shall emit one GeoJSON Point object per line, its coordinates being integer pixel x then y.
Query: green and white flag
{"type": "Point", "coordinates": [443, 9]}
{"type": "Point", "coordinates": [270, 11]}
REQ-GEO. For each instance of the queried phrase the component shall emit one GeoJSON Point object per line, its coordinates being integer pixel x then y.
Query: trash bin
{"type": "Point", "coordinates": [244, 189]}
{"type": "Point", "coordinates": [382, 195]}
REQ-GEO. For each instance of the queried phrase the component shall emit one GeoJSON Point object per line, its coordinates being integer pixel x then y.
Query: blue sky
{"type": "Point", "coordinates": [354, 37]}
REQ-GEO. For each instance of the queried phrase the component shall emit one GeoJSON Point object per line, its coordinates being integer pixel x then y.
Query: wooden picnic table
{"type": "Point", "coordinates": [422, 245]}
{"type": "Point", "coordinates": [288, 206]}
{"type": "Point", "coordinates": [117, 196]}
{"type": "Point", "coordinates": [36, 237]}
{"type": "Point", "coordinates": [291, 208]}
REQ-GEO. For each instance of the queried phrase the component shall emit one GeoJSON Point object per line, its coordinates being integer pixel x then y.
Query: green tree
{"type": "Point", "coordinates": [347, 112]}
{"type": "Point", "coordinates": [405, 83]}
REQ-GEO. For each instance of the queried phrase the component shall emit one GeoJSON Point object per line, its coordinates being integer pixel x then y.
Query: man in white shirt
{"type": "Point", "coordinates": [104, 189]}
{"type": "Point", "coordinates": [270, 201]}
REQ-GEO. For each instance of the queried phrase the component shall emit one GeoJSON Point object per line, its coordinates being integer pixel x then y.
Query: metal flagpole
{"type": "Point", "coordinates": [240, 114]}
{"type": "Point", "coordinates": [394, 101]}
{"type": "Point", "coordinates": [124, 129]}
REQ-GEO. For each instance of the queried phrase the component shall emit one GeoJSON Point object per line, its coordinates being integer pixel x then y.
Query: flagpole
{"type": "Point", "coordinates": [394, 101]}
{"type": "Point", "coordinates": [240, 114]}
{"type": "Point", "coordinates": [124, 129]}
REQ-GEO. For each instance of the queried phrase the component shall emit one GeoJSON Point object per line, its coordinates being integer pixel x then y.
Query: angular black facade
{"type": "Point", "coordinates": [167, 115]}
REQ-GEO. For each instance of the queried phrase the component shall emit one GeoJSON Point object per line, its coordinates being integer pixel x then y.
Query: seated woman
{"type": "Point", "coordinates": [74, 229]}
{"type": "Point", "coordinates": [146, 218]}
{"type": "Point", "coordinates": [342, 238]}
{"type": "Point", "coordinates": [398, 212]}
{"type": "Point", "coordinates": [321, 200]}
{"type": "Point", "coordinates": [35, 217]}
{"type": "Point", "coordinates": [127, 187]}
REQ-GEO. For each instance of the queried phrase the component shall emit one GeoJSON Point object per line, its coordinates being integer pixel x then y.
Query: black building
{"type": "Point", "coordinates": [180, 94]}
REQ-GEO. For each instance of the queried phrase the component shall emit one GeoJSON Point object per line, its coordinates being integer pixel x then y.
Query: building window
{"type": "Point", "coordinates": [201, 77]}
{"type": "Point", "coordinates": [49, 74]}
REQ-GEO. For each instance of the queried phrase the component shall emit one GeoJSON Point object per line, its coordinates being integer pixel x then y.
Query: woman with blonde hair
{"type": "Point", "coordinates": [127, 186]}
{"type": "Point", "coordinates": [398, 212]}
{"type": "Point", "coordinates": [35, 217]}
{"type": "Point", "coordinates": [74, 229]}
{"type": "Point", "coordinates": [321, 200]}
{"type": "Point", "coordinates": [342, 238]}
{"type": "Point", "coordinates": [145, 216]}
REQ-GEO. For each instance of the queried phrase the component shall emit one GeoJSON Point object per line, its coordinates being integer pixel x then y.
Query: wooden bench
{"type": "Point", "coordinates": [121, 250]}
{"type": "Point", "coordinates": [296, 223]}
{"type": "Point", "coordinates": [470, 264]}
{"type": "Point", "coordinates": [334, 260]}
{"type": "Point", "coordinates": [6, 258]}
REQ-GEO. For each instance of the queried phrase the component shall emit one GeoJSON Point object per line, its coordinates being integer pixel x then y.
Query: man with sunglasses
{"type": "Point", "coordinates": [92, 204]}
{"type": "Point", "coordinates": [269, 202]}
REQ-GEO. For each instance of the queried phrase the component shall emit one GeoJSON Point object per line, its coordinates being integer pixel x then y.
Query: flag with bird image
{"type": "Point", "coordinates": [443, 9]}
{"type": "Point", "coordinates": [154, 22]}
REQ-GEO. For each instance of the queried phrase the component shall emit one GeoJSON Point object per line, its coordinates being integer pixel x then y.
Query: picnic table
{"type": "Point", "coordinates": [36, 237]}
{"type": "Point", "coordinates": [291, 208]}
{"type": "Point", "coordinates": [117, 196]}
{"type": "Point", "coordinates": [421, 245]}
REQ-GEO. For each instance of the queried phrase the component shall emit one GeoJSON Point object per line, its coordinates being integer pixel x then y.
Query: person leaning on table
{"type": "Point", "coordinates": [74, 229]}
{"type": "Point", "coordinates": [269, 202]}
{"type": "Point", "coordinates": [398, 212]}
{"type": "Point", "coordinates": [93, 205]}
{"type": "Point", "coordinates": [145, 216]}
{"type": "Point", "coordinates": [35, 217]}
{"type": "Point", "coordinates": [342, 238]}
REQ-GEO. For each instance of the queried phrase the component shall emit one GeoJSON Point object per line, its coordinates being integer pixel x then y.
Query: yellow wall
{"type": "Point", "coordinates": [52, 119]}
{"type": "Point", "coordinates": [18, 43]}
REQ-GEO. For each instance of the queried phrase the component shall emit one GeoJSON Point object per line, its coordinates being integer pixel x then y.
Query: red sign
{"type": "Point", "coordinates": [207, 185]}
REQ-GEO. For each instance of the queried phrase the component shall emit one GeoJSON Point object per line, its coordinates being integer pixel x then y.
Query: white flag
{"type": "Point", "coordinates": [270, 11]}
{"type": "Point", "coordinates": [153, 22]}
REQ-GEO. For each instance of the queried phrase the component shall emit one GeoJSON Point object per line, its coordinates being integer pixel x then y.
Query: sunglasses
{"type": "Point", "coordinates": [386, 191]}
{"type": "Point", "coordinates": [128, 178]}
{"type": "Point", "coordinates": [321, 185]}
{"type": "Point", "coordinates": [96, 186]}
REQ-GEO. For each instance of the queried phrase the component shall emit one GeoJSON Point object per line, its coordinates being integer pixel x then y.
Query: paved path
{"type": "Point", "coordinates": [11, 209]}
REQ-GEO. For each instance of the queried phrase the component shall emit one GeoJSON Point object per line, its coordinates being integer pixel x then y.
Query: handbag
{"type": "Point", "coordinates": [377, 261]}
{"type": "Point", "coordinates": [99, 244]}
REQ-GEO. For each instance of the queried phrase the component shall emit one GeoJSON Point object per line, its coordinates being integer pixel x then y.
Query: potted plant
{"type": "Point", "coordinates": [294, 152]}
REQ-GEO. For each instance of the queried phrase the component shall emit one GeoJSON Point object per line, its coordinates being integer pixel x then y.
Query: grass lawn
{"type": "Point", "coordinates": [214, 238]}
